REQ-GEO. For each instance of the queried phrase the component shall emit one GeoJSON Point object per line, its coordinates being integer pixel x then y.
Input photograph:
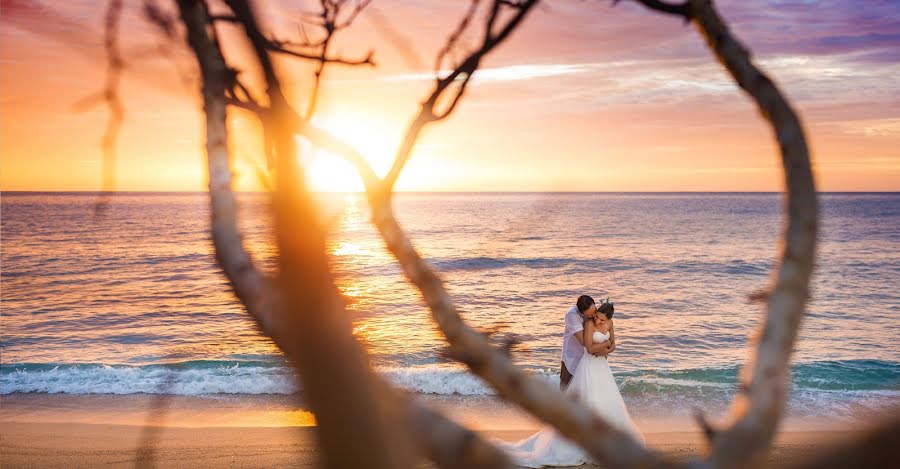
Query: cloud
{"type": "Point", "coordinates": [508, 73]}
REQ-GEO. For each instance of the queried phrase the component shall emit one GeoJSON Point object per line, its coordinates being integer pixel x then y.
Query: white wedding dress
{"type": "Point", "coordinates": [592, 384]}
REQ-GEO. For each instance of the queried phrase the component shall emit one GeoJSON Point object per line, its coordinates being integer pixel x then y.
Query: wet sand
{"type": "Point", "coordinates": [91, 445]}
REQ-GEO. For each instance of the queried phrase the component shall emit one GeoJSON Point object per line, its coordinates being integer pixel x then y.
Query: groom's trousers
{"type": "Point", "coordinates": [564, 377]}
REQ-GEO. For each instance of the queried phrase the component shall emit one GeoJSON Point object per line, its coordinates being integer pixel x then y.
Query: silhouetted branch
{"type": "Point", "coordinates": [284, 47]}
{"type": "Point", "coordinates": [455, 35]}
{"type": "Point", "coordinates": [112, 99]}
{"type": "Point", "coordinates": [682, 9]}
{"type": "Point", "coordinates": [463, 71]}
{"type": "Point", "coordinates": [451, 445]}
{"type": "Point", "coordinates": [331, 11]}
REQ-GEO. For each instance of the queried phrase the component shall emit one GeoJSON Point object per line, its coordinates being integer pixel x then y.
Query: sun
{"type": "Point", "coordinates": [370, 136]}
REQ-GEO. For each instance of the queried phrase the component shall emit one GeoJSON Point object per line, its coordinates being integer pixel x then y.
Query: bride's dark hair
{"type": "Point", "coordinates": [607, 309]}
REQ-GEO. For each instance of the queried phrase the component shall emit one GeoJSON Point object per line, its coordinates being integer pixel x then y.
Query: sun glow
{"type": "Point", "coordinates": [370, 136]}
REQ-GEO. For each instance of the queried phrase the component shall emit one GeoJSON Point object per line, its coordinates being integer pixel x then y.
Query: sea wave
{"type": "Point", "coordinates": [853, 378]}
{"type": "Point", "coordinates": [187, 378]}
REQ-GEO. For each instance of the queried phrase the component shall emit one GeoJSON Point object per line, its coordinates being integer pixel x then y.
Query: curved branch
{"type": "Point", "coordinates": [447, 443]}
{"type": "Point", "coordinates": [604, 442]}
{"type": "Point", "coordinates": [765, 380]}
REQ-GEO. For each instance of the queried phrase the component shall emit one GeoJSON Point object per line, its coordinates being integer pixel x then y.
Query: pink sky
{"type": "Point", "coordinates": [584, 97]}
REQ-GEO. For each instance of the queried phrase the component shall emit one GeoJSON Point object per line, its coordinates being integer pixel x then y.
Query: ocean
{"type": "Point", "coordinates": [132, 303]}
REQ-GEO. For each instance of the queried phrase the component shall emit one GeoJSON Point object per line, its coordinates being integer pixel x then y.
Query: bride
{"type": "Point", "coordinates": [592, 384]}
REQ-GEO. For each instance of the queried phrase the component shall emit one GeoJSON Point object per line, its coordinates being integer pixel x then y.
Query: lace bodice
{"type": "Point", "coordinates": [600, 336]}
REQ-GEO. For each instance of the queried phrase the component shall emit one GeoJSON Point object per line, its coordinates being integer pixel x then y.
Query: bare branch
{"type": "Point", "coordinates": [113, 100]}
{"type": "Point", "coordinates": [427, 112]}
{"type": "Point", "coordinates": [603, 441]}
{"type": "Point", "coordinates": [454, 37]}
{"type": "Point", "coordinates": [438, 435]}
{"type": "Point", "coordinates": [313, 310]}
{"type": "Point", "coordinates": [451, 445]}
{"type": "Point", "coordinates": [765, 380]}
{"type": "Point", "coordinates": [331, 11]}
{"type": "Point", "coordinates": [225, 19]}
{"type": "Point", "coordinates": [400, 42]}
{"type": "Point", "coordinates": [682, 9]}
{"type": "Point", "coordinates": [875, 448]}
{"type": "Point", "coordinates": [248, 283]}
{"type": "Point", "coordinates": [284, 47]}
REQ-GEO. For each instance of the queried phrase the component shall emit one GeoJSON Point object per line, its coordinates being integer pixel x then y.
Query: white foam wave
{"type": "Point", "coordinates": [446, 380]}
{"type": "Point", "coordinates": [104, 379]}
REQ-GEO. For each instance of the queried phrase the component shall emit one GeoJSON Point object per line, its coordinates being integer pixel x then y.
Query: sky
{"type": "Point", "coordinates": [584, 96]}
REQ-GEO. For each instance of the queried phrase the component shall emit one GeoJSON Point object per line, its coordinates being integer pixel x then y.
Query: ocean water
{"type": "Point", "coordinates": [133, 302]}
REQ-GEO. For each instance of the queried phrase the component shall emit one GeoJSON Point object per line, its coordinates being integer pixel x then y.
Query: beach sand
{"type": "Point", "coordinates": [91, 445]}
{"type": "Point", "coordinates": [41, 430]}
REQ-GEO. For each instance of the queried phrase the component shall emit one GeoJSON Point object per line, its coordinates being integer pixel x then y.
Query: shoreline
{"type": "Point", "coordinates": [89, 445]}
{"type": "Point", "coordinates": [482, 413]}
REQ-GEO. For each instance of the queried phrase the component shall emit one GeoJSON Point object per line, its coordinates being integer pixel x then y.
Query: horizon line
{"type": "Point", "coordinates": [89, 192]}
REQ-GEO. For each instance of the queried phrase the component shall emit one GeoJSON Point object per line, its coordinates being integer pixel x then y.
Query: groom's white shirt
{"type": "Point", "coordinates": [572, 350]}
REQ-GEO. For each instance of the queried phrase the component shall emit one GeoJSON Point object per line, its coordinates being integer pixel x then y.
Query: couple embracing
{"type": "Point", "coordinates": [585, 376]}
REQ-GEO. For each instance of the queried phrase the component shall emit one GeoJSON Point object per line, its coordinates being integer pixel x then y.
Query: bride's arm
{"type": "Point", "coordinates": [595, 348]}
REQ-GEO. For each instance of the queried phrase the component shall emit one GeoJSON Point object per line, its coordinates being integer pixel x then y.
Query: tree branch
{"type": "Point", "coordinates": [427, 112]}
{"type": "Point", "coordinates": [467, 344]}
{"type": "Point", "coordinates": [766, 378]}
{"type": "Point", "coordinates": [682, 9]}
{"type": "Point", "coordinates": [112, 99]}
{"type": "Point", "coordinates": [282, 47]}
{"type": "Point", "coordinates": [873, 449]}
{"type": "Point", "coordinates": [448, 444]}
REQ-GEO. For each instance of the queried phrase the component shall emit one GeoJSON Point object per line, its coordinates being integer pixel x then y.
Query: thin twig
{"type": "Point", "coordinates": [113, 101]}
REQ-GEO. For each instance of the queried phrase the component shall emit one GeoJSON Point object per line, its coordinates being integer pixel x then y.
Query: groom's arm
{"type": "Point", "coordinates": [579, 336]}
{"type": "Point", "coordinates": [602, 349]}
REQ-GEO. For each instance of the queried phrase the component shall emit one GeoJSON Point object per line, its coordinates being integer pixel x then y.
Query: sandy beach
{"type": "Point", "coordinates": [274, 431]}
{"type": "Point", "coordinates": [91, 445]}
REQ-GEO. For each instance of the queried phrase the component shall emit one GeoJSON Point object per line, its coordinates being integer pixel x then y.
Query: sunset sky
{"type": "Point", "coordinates": [583, 97]}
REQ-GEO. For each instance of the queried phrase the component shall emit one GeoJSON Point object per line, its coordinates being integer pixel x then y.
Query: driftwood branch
{"type": "Point", "coordinates": [766, 378]}
{"type": "Point", "coordinates": [435, 433]}
{"type": "Point", "coordinates": [305, 284]}
{"type": "Point", "coordinates": [466, 344]}
{"type": "Point", "coordinates": [873, 449]}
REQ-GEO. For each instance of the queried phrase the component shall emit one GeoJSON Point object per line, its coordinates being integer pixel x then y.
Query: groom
{"type": "Point", "coordinates": [573, 337]}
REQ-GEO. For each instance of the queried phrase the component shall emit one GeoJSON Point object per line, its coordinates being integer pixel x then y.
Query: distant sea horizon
{"type": "Point", "coordinates": [442, 192]}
